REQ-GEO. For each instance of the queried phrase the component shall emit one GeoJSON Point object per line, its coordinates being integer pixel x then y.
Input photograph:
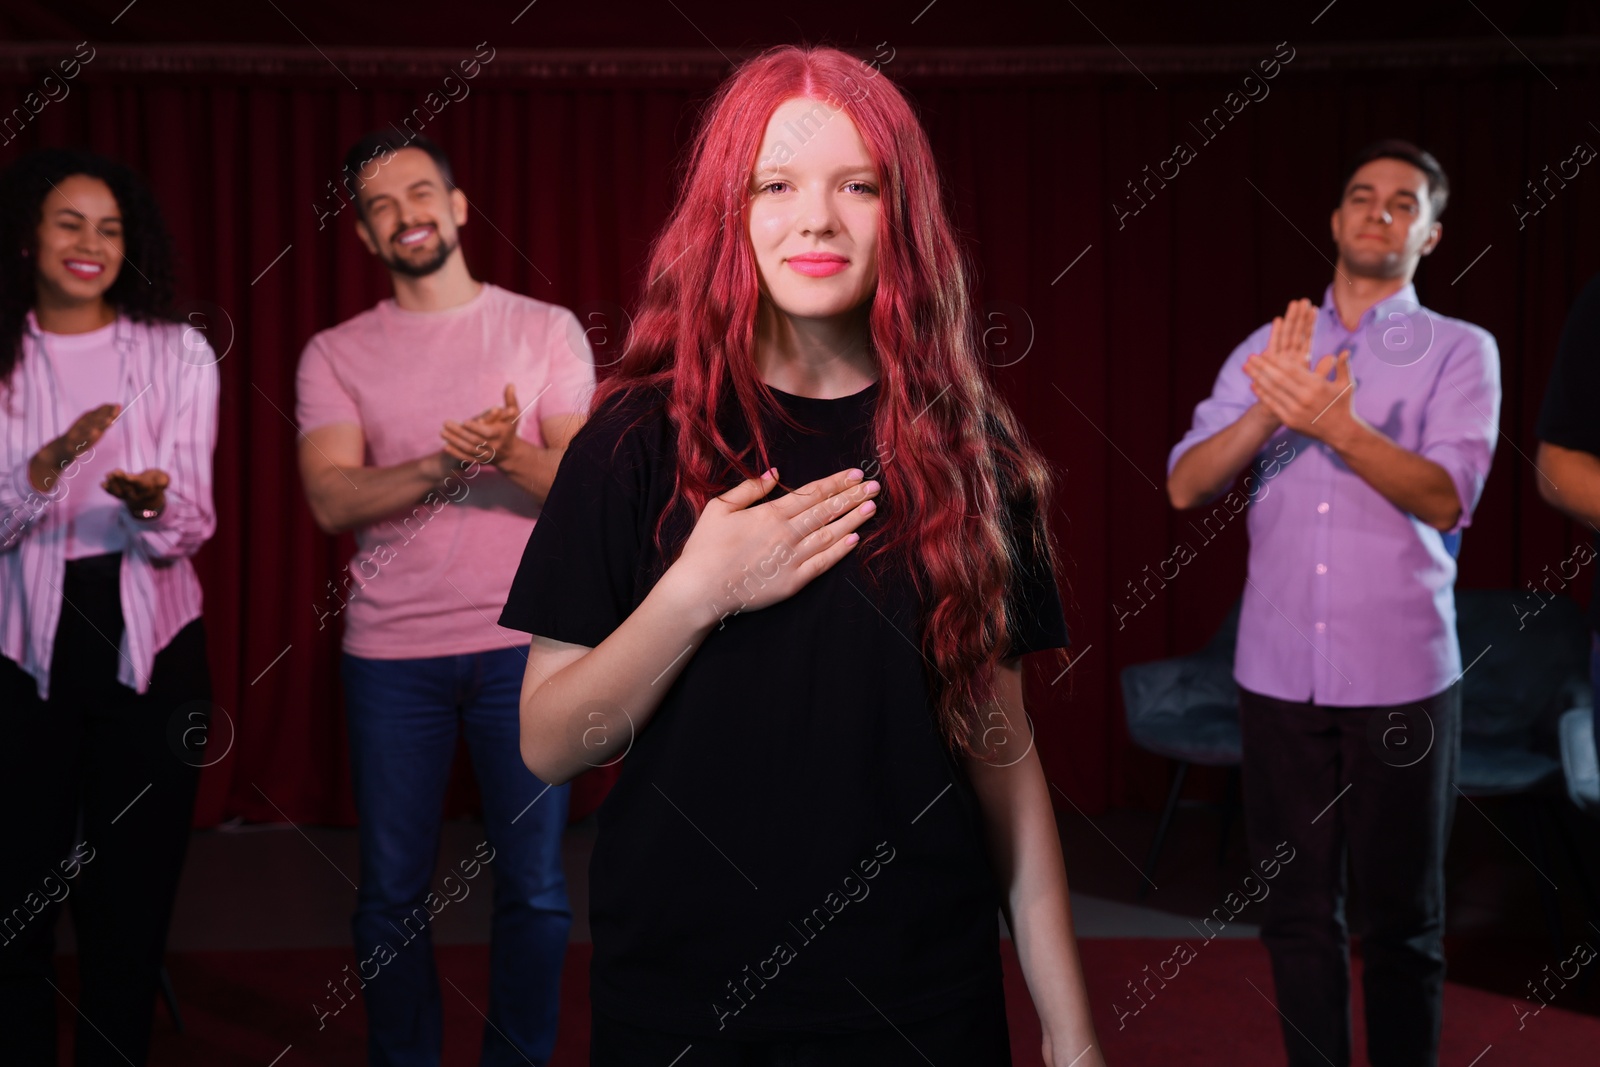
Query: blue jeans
{"type": "Point", "coordinates": [403, 717]}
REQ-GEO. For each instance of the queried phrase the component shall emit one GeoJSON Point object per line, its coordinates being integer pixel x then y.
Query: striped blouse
{"type": "Point", "coordinates": [167, 386]}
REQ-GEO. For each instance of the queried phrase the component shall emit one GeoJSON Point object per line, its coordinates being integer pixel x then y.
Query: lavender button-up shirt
{"type": "Point", "coordinates": [1349, 601]}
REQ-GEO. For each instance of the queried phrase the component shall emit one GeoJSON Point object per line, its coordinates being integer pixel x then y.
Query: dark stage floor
{"type": "Point", "coordinates": [263, 917]}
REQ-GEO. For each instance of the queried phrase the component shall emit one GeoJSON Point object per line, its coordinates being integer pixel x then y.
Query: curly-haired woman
{"type": "Point", "coordinates": [107, 425]}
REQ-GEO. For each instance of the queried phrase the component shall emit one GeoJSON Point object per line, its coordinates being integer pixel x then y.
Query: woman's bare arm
{"type": "Point", "coordinates": [1025, 849]}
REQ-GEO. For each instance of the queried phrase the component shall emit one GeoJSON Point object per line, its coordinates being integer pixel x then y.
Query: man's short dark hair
{"type": "Point", "coordinates": [1406, 152]}
{"type": "Point", "coordinates": [386, 143]}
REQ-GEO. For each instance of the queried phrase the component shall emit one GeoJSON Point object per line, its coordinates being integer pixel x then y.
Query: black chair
{"type": "Point", "coordinates": [1187, 709]}
{"type": "Point", "coordinates": [1579, 764]}
{"type": "Point", "coordinates": [1522, 672]}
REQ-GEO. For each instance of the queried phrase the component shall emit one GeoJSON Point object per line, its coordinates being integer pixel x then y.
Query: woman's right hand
{"type": "Point", "coordinates": [56, 456]}
{"type": "Point", "coordinates": [744, 556]}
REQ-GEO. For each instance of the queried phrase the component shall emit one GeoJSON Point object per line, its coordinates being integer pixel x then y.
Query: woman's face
{"type": "Point", "coordinates": [79, 243]}
{"type": "Point", "coordinates": [814, 212]}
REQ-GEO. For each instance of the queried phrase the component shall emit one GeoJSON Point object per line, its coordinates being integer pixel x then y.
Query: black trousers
{"type": "Point", "coordinates": [971, 1035]}
{"type": "Point", "coordinates": [126, 765]}
{"type": "Point", "coordinates": [1376, 784]}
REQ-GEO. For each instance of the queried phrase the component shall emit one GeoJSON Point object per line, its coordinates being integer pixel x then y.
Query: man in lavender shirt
{"type": "Point", "coordinates": [1348, 664]}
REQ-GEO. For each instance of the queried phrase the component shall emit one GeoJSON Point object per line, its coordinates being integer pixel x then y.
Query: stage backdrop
{"type": "Point", "coordinates": [1109, 310]}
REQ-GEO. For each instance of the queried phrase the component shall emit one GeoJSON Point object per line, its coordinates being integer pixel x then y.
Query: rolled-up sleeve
{"type": "Point", "coordinates": [1230, 398]}
{"type": "Point", "coordinates": [1461, 423]}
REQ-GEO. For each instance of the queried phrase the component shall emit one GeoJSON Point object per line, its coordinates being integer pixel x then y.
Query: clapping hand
{"type": "Point", "coordinates": [56, 456]}
{"type": "Point", "coordinates": [143, 492]}
{"type": "Point", "coordinates": [488, 437]}
{"type": "Point", "coordinates": [1302, 397]}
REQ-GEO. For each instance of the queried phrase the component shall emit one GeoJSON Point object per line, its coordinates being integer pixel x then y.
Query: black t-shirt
{"type": "Point", "coordinates": [789, 847]}
{"type": "Point", "coordinates": [1568, 418]}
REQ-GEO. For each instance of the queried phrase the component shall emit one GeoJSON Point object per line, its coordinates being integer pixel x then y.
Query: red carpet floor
{"type": "Point", "coordinates": [255, 1008]}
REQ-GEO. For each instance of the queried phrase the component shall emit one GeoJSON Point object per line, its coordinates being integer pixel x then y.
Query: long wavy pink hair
{"type": "Point", "coordinates": [948, 472]}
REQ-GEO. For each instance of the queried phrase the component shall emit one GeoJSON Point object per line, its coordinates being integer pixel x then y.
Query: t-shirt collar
{"type": "Point", "coordinates": [119, 328]}
{"type": "Point", "coordinates": [390, 305]}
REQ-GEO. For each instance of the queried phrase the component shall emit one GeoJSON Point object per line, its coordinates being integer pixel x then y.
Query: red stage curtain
{"type": "Point", "coordinates": [1105, 330]}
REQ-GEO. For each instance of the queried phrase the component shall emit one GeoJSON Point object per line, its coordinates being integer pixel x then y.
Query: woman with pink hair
{"type": "Point", "coordinates": [786, 573]}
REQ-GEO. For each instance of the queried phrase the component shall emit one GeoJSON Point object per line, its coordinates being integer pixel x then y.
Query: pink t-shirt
{"type": "Point", "coordinates": [431, 580]}
{"type": "Point", "coordinates": [88, 369]}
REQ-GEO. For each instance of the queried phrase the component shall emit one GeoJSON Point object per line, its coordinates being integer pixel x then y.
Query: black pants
{"type": "Point", "coordinates": [1378, 783]}
{"type": "Point", "coordinates": [126, 764]}
{"type": "Point", "coordinates": [973, 1035]}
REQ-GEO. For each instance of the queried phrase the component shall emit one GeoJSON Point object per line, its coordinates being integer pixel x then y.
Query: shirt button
{"type": "Point", "coordinates": [1321, 626]}
{"type": "Point", "coordinates": [1322, 568]}
{"type": "Point", "coordinates": [1322, 508]}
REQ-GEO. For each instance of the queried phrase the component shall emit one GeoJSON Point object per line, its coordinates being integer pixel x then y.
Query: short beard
{"type": "Point", "coordinates": [426, 267]}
